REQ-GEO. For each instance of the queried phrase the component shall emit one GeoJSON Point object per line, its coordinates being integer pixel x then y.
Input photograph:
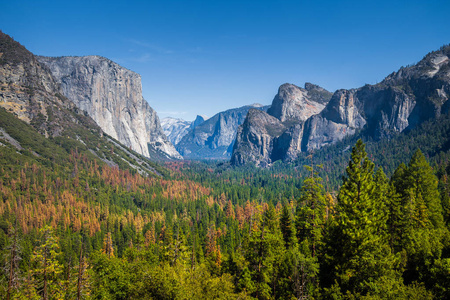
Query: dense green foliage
{"type": "Point", "coordinates": [73, 225]}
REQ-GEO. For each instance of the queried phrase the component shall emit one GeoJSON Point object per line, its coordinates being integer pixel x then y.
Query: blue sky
{"type": "Point", "coordinates": [202, 57]}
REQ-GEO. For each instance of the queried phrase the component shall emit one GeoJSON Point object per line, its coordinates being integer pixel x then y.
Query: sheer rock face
{"type": "Point", "coordinates": [175, 129]}
{"type": "Point", "coordinates": [278, 133]}
{"type": "Point", "coordinates": [112, 96]}
{"type": "Point", "coordinates": [256, 137]}
{"type": "Point", "coordinates": [293, 103]}
{"type": "Point", "coordinates": [400, 102]}
{"type": "Point", "coordinates": [214, 138]}
{"type": "Point", "coordinates": [340, 118]}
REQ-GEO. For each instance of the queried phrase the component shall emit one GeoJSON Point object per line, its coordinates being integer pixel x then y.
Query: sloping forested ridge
{"type": "Point", "coordinates": [82, 217]}
{"type": "Point", "coordinates": [74, 226]}
{"type": "Point", "coordinates": [432, 137]}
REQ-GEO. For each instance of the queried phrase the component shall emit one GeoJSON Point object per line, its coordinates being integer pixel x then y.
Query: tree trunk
{"type": "Point", "coordinates": [80, 274]}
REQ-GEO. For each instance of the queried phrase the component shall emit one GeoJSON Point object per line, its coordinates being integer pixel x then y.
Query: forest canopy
{"type": "Point", "coordinates": [85, 230]}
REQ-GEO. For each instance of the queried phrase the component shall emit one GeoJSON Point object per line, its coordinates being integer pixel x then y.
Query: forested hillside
{"type": "Point", "coordinates": [84, 217]}
{"type": "Point", "coordinates": [75, 227]}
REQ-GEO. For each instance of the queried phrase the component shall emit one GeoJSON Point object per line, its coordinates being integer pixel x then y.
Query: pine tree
{"type": "Point", "coordinates": [83, 277]}
{"type": "Point", "coordinates": [381, 203]}
{"type": "Point", "coordinates": [424, 187]}
{"type": "Point", "coordinates": [108, 248]}
{"type": "Point", "coordinates": [263, 251]}
{"type": "Point", "coordinates": [47, 272]}
{"type": "Point", "coordinates": [311, 213]}
{"type": "Point", "coordinates": [423, 230]}
{"type": "Point", "coordinates": [12, 262]}
{"type": "Point", "coordinates": [287, 228]}
{"type": "Point", "coordinates": [356, 253]}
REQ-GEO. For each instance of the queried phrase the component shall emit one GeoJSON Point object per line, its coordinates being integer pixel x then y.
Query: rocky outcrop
{"type": "Point", "coordinates": [29, 91]}
{"type": "Point", "coordinates": [341, 117]}
{"type": "Point", "coordinates": [294, 104]}
{"type": "Point", "coordinates": [112, 96]}
{"type": "Point", "coordinates": [175, 129]}
{"type": "Point", "coordinates": [214, 138]}
{"type": "Point", "coordinates": [281, 128]}
{"type": "Point", "coordinates": [256, 137]}
{"type": "Point", "coordinates": [400, 102]}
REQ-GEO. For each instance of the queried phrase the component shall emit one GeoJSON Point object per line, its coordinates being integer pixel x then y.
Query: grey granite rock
{"type": "Point", "coordinates": [279, 133]}
{"type": "Point", "coordinates": [255, 138]}
{"type": "Point", "coordinates": [29, 91]}
{"type": "Point", "coordinates": [400, 102]}
{"type": "Point", "coordinates": [112, 96]}
{"type": "Point", "coordinates": [175, 128]}
{"type": "Point", "coordinates": [214, 138]}
{"type": "Point", "coordinates": [294, 104]}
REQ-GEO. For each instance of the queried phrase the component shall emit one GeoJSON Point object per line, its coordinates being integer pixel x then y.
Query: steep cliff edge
{"type": "Point", "coordinates": [295, 104]}
{"type": "Point", "coordinates": [112, 96]}
{"type": "Point", "coordinates": [214, 138]}
{"type": "Point", "coordinates": [403, 100]}
{"type": "Point", "coordinates": [29, 92]}
{"type": "Point", "coordinates": [277, 134]}
{"type": "Point", "coordinates": [175, 128]}
{"type": "Point", "coordinates": [255, 138]}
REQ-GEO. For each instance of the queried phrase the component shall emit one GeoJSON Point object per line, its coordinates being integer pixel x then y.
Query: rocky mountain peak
{"type": "Point", "coordinates": [293, 103]}
{"type": "Point", "coordinates": [255, 138]}
{"type": "Point", "coordinates": [400, 102]}
{"type": "Point", "coordinates": [175, 128]}
{"type": "Point", "coordinates": [29, 91]}
{"type": "Point", "coordinates": [317, 93]}
{"type": "Point", "coordinates": [344, 108]}
{"type": "Point", "coordinates": [112, 96]}
{"type": "Point", "coordinates": [198, 120]}
{"type": "Point", "coordinates": [12, 52]}
{"type": "Point", "coordinates": [214, 138]}
{"type": "Point", "coordinates": [435, 65]}
{"type": "Point", "coordinates": [267, 124]}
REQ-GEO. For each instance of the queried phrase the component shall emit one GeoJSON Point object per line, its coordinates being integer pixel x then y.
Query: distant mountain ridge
{"type": "Point", "coordinates": [214, 138]}
{"type": "Point", "coordinates": [175, 128]}
{"type": "Point", "coordinates": [112, 96]}
{"type": "Point", "coordinates": [276, 134]}
{"type": "Point", "coordinates": [400, 102]}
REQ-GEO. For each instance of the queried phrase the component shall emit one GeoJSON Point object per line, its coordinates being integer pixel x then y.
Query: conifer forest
{"type": "Point", "coordinates": [73, 227]}
{"type": "Point", "coordinates": [351, 201]}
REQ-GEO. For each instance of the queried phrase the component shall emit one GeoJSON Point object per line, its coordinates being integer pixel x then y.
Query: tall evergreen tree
{"type": "Point", "coordinates": [287, 227]}
{"type": "Point", "coordinates": [423, 186]}
{"type": "Point", "coordinates": [357, 256]}
{"type": "Point", "coordinates": [262, 252]}
{"type": "Point", "coordinates": [48, 270]}
{"type": "Point", "coordinates": [311, 214]}
{"type": "Point", "coordinates": [381, 203]}
{"type": "Point", "coordinates": [12, 263]}
{"type": "Point", "coordinates": [423, 229]}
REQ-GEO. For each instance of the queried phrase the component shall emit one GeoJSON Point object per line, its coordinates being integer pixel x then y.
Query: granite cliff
{"type": "Point", "coordinates": [214, 138]}
{"type": "Point", "coordinates": [400, 102]}
{"type": "Point", "coordinates": [295, 104]}
{"type": "Point", "coordinates": [29, 92]}
{"type": "Point", "coordinates": [175, 128]}
{"type": "Point", "coordinates": [112, 96]}
{"type": "Point", "coordinates": [277, 134]}
{"type": "Point", "coordinates": [255, 138]}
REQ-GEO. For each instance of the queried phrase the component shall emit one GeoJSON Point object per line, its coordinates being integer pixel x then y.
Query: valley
{"type": "Point", "coordinates": [320, 195]}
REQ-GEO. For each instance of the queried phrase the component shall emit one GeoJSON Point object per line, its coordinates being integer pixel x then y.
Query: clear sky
{"type": "Point", "coordinates": [202, 57]}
